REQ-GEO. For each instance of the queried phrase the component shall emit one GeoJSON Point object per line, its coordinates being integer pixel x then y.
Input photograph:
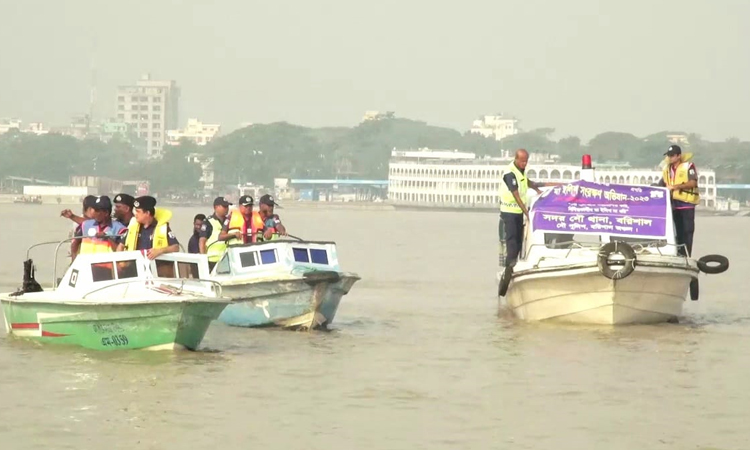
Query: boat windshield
{"type": "Point", "coordinates": [587, 213]}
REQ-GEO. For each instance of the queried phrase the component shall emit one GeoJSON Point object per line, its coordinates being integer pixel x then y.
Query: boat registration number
{"type": "Point", "coordinates": [116, 340]}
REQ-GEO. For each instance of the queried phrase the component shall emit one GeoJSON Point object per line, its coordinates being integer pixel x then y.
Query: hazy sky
{"type": "Point", "coordinates": [580, 66]}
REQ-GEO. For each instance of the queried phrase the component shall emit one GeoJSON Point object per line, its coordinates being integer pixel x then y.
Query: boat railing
{"type": "Point", "coordinates": [57, 252]}
{"type": "Point", "coordinates": [216, 286]}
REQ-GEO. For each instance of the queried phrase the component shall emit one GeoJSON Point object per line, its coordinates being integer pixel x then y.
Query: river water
{"type": "Point", "coordinates": [418, 358]}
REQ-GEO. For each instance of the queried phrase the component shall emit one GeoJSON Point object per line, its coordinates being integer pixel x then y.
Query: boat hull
{"type": "Point", "coordinates": [648, 295]}
{"type": "Point", "coordinates": [291, 303]}
{"type": "Point", "coordinates": [109, 326]}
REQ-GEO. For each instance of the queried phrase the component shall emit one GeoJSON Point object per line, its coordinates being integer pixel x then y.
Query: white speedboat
{"type": "Point", "coordinates": [108, 301]}
{"type": "Point", "coordinates": [292, 284]}
{"type": "Point", "coordinates": [602, 254]}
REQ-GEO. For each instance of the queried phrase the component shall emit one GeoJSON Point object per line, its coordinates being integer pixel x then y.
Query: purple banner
{"type": "Point", "coordinates": [592, 208]}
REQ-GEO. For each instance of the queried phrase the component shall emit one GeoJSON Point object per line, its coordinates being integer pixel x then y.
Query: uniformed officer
{"type": "Point", "coordinates": [237, 228]}
{"type": "Point", "coordinates": [681, 178]}
{"type": "Point", "coordinates": [150, 231]}
{"type": "Point", "coordinates": [513, 199]}
{"type": "Point", "coordinates": [271, 223]}
{"type": "Point", "coordinates": [124, 208]}
{"type": "Point", "coordinates": [209, 237]}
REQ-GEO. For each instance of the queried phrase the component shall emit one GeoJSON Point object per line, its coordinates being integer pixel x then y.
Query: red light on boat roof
{"type": "Point", "coordinates": [586, 162]}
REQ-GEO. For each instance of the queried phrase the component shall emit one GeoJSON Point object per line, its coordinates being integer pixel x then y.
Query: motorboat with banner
{"type": "Point", "coordinates": [602, 254]}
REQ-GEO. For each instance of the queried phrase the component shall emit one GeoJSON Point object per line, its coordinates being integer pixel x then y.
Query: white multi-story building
{"type": "Point", "coordinates": [196, 131]}
{"type": "Point", "coordinates": [9, 124]}
{"type": "Point", "coordinates": [150, 107]}
{"type": "Point", "coordinates": [436, 180]}
{"type": "Point", "coordinates": [16, 124]}
{"type": "Point", "coordinates": [497, 126]}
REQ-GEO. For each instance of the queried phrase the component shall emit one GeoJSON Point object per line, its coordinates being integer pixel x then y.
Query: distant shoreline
{"type": "Point", "coordinates": [291, 205]}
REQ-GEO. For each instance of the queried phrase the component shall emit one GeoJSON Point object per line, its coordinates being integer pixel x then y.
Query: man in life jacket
{"type": "Point", "coordinates": [513, 199]}
{"type": "Point", "coordinates": [238, 224]}
{"type": "Point", "coordinates": [209, 240]}
{"type": "Point", "coordinates": [681, 178]}
{"type": "Point", "coordinates": [100, 233]}
{"type": "Point", "coordinates": [150, 231]}
{"type": "Point", "coordinates": [124, 208]}
{"type": "Point", "coordinates": [267, 226]}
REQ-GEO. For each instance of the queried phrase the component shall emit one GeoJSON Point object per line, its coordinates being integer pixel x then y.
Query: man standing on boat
{"type": "Point", "coordinates": [209, 240]}
{"type": "Point", "coordinates": [124, 208]}
{"type": "Point", "coordinates": [513, 199]}
{"type": "Point", "coordinates": [237, 226]}
{"type": "Point", "coordinates": [77, 233]}
{"type": "Point", "coordinates": [150, 230]}
{"type": "Point", "coordinates": [269, 224]}
{"type": "Point", "coordinates": [100, 233]}
{"type": "Point", "coordinates": [681, 178]}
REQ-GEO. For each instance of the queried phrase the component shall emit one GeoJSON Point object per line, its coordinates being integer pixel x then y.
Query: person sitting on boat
{"type": "Point", "coordinates": [150, 231]}
{"type": "Point", "coordinates": [238, 224]}
{"type": "Point", "coordinates": [513, 199]}
{"type": "Point", "coordinates": [100, 233]}
{"type": "Point", "coordinates": [209, 237]}
{"type": "Point", "coordinates": [193, 246]}
{"type": "Point", "coordinates": [681, 178]}
{"type": "Point", "coordinates": [124, 208]}
{"type": "Point", "coordinates": [266, 224]}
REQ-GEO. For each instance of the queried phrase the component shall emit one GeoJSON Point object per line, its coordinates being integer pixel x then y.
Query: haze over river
{"type": "Point", "coordinates": [417, 358]}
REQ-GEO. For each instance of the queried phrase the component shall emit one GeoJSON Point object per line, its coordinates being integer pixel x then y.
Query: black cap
{"type": "Point", "coordinates": [101, 203]}
{"type": "Point", "coordinates": [124, 199]}
{"type": "Point", "coordinates": [88, 201]}
{"type": "Point", "coordinates": [268, 200]}
{"type": "Point", "coordinates": [221, 201]}
{"type": "Point", "coordinates": [673, 150]}
{"type": "Point", "coordinates": [246, 200]}
{"type": "Point", "coordinates": [145, 202]}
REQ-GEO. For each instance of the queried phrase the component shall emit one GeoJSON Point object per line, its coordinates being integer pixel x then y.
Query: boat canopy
{"type": "Point", "coordinates": [611, 210]}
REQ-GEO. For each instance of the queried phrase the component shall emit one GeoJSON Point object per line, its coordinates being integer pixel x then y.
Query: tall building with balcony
{"type": "Point", "coordinates": [151, 108]}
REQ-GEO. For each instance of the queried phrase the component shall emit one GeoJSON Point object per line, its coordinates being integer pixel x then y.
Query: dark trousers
{"type": "Point", "coordinates": [513, 225]}
{"type": "Point", "coordinates": [684, 227]}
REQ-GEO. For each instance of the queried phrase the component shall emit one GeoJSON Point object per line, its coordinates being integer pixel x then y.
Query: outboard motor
{"type": "Point", "coordinates": [29, 282]}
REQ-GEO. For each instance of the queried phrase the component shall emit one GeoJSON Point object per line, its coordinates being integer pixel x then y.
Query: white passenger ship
{"type": "Point", "coordinates": [458, 180]}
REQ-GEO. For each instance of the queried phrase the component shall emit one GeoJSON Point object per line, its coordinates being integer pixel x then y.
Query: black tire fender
{"type": "Point", "coordinates": [721, 261]}
{"type": "Point", "coordinates": [694, 289]}
{"type": "Point", "coordinates": [502, 287]}
{"type": "Point", "coordinates": [615, 248]}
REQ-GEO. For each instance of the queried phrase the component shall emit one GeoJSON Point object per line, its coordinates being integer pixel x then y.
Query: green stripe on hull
{"type": "Point", "coordinates": [112, 326]}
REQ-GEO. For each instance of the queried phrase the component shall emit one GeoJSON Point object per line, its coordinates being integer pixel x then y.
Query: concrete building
{"type": "Point", "coordinates": [497, 126]}
{"type": "Point", "coordinates": [150, 107]}
{"type": "Point", "coordinates": [196, 131]}
{"type": "Point", "coordinates": [8, 124]}
{"type": "Point", "coordinates": [377, 115]}
{"type": "Point", "coordinates": [437, 180]}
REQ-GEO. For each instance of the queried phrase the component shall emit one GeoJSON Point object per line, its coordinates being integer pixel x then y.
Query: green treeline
{"type": "Point", "coordinates": [261, 152]}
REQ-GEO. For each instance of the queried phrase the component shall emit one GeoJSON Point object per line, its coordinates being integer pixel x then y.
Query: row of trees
{"type": "Point", "coordinates": [259, 153]}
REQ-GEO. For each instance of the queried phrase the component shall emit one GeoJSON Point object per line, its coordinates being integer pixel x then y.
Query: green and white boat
{"type": "Point", "coordinates": [110, 301]}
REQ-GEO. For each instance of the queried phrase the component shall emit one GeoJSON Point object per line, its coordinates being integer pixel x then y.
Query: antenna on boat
{"type": "Point", "coordinates": [587, 170]}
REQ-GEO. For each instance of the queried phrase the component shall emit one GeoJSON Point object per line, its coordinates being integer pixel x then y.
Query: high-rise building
{"type": "Point", "coordinates": [150, 107]}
